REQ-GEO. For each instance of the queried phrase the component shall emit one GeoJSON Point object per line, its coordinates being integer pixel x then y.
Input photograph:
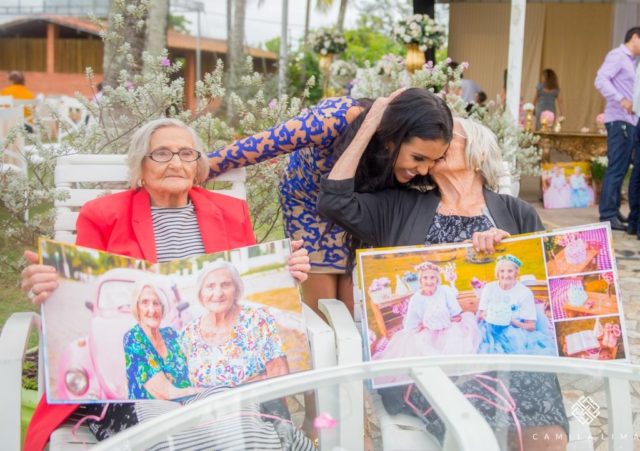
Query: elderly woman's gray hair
{"type": "Point", "coordinates": [222, 265]}
{"type": "Point", "coordinates": [482, 152]}
{"type": "Point", "coordinates": [139, 149]}
{"type": "Point", "coordinates": [138, 288]}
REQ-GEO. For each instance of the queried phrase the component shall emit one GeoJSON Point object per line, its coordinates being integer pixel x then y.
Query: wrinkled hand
{"type": "Point", "coordinates": [37, 281]}
{"type": "Point", "coordinates": [485, 241]}
{"type": "Point", "coordinates": [298, 262]}
{"type": "Point", "coordinates": [374, 116]}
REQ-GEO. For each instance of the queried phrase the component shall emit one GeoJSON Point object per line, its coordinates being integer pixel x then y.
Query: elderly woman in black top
{"type": "Point", "coordinates": [464, 206]}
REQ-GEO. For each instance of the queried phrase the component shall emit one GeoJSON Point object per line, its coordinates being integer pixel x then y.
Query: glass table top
{"type": "Point", "coordinates": [519, 397]}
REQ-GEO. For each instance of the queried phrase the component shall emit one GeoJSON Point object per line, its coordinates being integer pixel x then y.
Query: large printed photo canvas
{"type": "Point", "coordinates": [450, 300]}
{"type": "Point", "coordinates": [120, 329]}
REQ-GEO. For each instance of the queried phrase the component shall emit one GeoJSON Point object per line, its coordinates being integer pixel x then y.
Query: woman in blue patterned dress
{"type": "Point", "coordinates": [156, 366]}
{"type": "Point", "coordinates": [402, 143]}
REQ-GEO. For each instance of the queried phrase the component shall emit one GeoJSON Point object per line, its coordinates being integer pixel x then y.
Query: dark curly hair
{"type": "Point", "coordinates": [415, 113]}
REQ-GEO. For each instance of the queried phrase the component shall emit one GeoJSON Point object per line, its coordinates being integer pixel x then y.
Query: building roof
{"type": "Point", "coordinates": [175, 40]}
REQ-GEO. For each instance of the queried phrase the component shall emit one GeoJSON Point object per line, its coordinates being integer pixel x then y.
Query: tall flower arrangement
{"type": "Point", "coordinates": [419, 29]}
{"type": "Point", "coordinates": [327, 41]}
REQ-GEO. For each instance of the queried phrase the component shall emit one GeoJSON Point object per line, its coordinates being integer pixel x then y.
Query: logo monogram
{"type": "Point", "coordinates": [585, 410]}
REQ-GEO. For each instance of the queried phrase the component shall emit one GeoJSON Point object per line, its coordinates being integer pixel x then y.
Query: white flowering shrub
{"type": "Point", "coordinates": [326, 40]}
{"type": "Point", "coordinates": [342, 73]}
{"type": "Point", "coordinates": [26, 200]}
{"type": "Point", "coordinates": [385, 76]}
{"type": "Point", "coordinates": [419, 29]}
{"type": "Point", "coordinates": [519, 147]}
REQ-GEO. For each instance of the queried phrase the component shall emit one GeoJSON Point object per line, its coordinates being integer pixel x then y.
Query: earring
{"type": "Point", "coordinates": [140, 183]}
{"type": "Point", "coordinates": [477, 169]}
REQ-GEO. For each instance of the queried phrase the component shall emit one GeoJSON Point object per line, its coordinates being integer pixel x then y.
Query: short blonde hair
{"type": "Point", "coordinates": [139, 148]}
{"type": "Point", "coordinates": [482, 152]}
{"type": "Point", "coordinates": [137, 292]}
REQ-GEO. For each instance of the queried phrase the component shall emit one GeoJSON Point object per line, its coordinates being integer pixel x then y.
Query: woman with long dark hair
{"type": "Point", "coordinates": [415, 131]}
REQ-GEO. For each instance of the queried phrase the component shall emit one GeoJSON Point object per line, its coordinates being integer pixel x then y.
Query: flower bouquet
{"type": "Point", "coordinates": [327, 41]}
{"type": "Point", "coordinates": [547, 118]}
{"type": "Point", "coordinates": [419, 29]}
{"type": "Point", "coordinates": [380, 289]}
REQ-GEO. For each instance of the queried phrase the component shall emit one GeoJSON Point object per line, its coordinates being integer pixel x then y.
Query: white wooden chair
{"type": "Point", "coordinates": [71, 172]}
{"type": "Point", "coordinates": [13, 157]}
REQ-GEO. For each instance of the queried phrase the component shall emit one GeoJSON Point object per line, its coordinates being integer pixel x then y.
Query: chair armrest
{"type": "Point", "coordinates": [321, 340]}
{"type": "Point", "coordinates": [351, 394]}
{"type": "Point", "coordinates": [620, 429]}
{"type": "Point", "coordinates": [348, 339]}
{"type": "Point", "coordinates": [13, 343]}
{"type": "Point", "coordinates": [466, 427]}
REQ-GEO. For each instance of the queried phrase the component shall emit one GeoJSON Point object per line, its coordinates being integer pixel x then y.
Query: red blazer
{"type": "Point", "coordinates": [121, 224]}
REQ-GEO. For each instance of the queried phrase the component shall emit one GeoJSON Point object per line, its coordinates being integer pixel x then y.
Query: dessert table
{"type": "Point", "coordinates": [580, 146]}
{"type": "Point", "coordinates": [602, 305]}
{"type": "Point", "coordinates": [560, 266]}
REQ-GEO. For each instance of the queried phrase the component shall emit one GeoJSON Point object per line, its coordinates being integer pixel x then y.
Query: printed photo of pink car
{"type": "Point", "coordinates": [93, 366]}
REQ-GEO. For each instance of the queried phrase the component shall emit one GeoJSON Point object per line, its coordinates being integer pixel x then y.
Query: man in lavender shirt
{"type": "Point", "coordinates": [615, 82]}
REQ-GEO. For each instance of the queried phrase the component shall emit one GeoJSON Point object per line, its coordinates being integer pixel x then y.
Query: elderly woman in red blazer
{"type": "Point", "coordinates": [162, 217]}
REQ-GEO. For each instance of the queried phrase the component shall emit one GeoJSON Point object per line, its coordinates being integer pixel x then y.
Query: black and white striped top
{"type": "Point", "coordinates": [177, 232]}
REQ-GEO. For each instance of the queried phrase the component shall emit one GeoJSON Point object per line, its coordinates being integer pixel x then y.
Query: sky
{"type": "Point", "coordinates": [264, 22]}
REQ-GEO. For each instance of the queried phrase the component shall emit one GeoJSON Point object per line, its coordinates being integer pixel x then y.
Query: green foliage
{"type": "Point", "coordinates": [273, 45]}
{"type": "Point", "coordinates": [442, 53]}
{"type": "Point", "coordinates": [178, 23]}
{"type": "Point", "coordinates": [365, 44]}
{"type": "Point", "coordinates": [598, 167]}
{"type": "Point", "coordinates": [303, 67]}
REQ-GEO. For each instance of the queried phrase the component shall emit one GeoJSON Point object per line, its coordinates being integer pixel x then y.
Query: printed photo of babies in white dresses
{"type": "Point", "coordinates": [567, 185]}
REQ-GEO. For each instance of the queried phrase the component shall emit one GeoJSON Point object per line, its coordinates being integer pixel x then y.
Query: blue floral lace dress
{"type": "Point", "coordinates": [309, 138]}
{"type": "Point", "coordinates": [537, 395]}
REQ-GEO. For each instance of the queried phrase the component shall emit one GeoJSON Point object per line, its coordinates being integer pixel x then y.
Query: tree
{"type": "Point", "coordinates": [127, 30]}
{"type": "Point", "coordinates": [178, 23]}
{"type": "Point", "coordinates": [157, 23]}
{"type": "Point", "coordinates": [341, 15]}
{"type": "Point", "coordinates": [235, 42]}
{"type": "Point", "coordinates": [365, 44]}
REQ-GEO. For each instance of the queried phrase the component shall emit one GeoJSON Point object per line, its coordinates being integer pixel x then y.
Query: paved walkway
{"type": "Point", "coordinates": [627, 252]}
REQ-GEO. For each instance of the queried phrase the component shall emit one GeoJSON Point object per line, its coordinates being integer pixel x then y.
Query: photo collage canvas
{"type": "Point", "coordinates": [547, 294]}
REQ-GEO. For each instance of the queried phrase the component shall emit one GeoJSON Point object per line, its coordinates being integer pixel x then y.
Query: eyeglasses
{"type": "Point", "coordinates": [165, 155]}
{"type": "Point", "coordinates": [459, 135]}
